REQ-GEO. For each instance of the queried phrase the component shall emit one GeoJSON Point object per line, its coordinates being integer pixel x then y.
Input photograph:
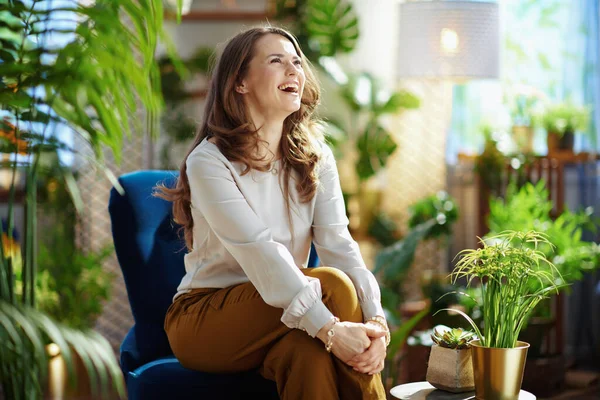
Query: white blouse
{"type": "Point", "coordinates": [242, 233]}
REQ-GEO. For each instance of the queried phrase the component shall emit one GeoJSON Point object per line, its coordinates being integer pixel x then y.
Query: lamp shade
{"type": "Point", "coordinates": [449, 39]}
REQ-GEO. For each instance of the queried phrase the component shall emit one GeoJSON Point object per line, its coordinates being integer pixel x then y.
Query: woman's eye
{"type": "Point", "coordinates": [298, 62]}
{"type": "Point", "coordinates": [276, 60]}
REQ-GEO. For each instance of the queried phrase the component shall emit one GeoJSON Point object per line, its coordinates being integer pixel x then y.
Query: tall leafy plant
{"type": "Point", "coordinates": [90, 86]}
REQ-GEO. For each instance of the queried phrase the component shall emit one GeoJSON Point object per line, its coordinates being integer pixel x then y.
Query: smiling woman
{"type": "Point", "coordinates": [248, 300]}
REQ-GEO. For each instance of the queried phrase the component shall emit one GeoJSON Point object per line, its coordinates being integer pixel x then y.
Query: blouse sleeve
{"type": "Point", "coordinates": [335, 247]}
{"type": "Point", "coordinates": [268, 264]}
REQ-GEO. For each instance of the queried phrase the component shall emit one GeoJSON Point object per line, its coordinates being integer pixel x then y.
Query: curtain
{"type": "Point", "coordinates": [582, 81]}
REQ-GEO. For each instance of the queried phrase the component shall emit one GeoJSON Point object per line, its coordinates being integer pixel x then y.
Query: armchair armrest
{"type": "Point", "coordinates": [130, 356]}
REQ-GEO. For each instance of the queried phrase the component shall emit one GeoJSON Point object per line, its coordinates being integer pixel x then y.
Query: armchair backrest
{"type": "Point", "coordinates": [150, 251]}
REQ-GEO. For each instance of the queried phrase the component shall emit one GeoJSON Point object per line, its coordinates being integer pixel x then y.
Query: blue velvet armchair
{"type": "Point", "coordinates": [150, 252]}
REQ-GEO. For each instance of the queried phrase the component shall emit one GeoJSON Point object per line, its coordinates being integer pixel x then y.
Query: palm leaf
{"type": "Point", "coordinates": [24, 331]}
{"type": "Point", "coordinates": [332, 26]}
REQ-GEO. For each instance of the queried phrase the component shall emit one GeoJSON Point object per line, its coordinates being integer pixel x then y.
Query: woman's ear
{"type": "Point", "coordinates": [241, 88]}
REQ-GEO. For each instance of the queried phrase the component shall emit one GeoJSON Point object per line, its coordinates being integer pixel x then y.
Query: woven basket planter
{"type": "Point", "coordinates": [450, 369]}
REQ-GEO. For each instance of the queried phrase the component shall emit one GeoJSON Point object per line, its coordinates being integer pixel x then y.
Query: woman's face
{"type": "Point", "coordinates": [274, 82]}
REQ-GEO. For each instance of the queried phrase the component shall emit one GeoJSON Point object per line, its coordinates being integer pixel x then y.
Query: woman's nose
{"type": "Point", "coordinates": [291, 69]}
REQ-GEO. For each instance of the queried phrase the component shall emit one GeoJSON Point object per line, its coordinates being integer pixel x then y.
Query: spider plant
{"type": "Point", "coordinates": [89, 83]}
{"type": "Point", "coordinates": [503, 267]}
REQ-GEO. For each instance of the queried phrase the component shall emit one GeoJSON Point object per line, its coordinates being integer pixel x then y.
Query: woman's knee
{"type": "Point", "coordinates": [339, 293]}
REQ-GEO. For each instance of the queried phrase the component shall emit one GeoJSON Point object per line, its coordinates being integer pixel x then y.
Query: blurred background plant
{"type": "Point", "coordinates": [562, 121]}
{"type": "Point", "coordinates": [490, 163]}
{"type": "Point", "coordinates": [177, 126]}
{"type": "Point", "coordinates": [565, 117]}
{"type": "Point", "coordinates": [47, 85]}
{"type": "Point", "coordinates": [525, 104]}
{"type": "Point", "coordinates": [73, 284]}
{"type": "Point", "coordinates": [430, 218]}
{"type": "Point", "coordinates": [529, 208]}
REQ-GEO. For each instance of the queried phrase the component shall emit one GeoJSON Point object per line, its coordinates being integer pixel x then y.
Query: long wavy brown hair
{"type": "Point", "coordinates": [227, 123]}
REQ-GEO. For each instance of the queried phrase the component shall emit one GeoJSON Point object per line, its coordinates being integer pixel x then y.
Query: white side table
{"type": "Point", "coordinates": [424, 391]}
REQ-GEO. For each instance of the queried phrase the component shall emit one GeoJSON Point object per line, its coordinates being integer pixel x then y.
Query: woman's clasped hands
{"type": "Point", "coordinates": [361, 346]}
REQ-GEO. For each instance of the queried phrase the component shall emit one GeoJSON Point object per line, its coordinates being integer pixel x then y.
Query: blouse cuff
{"type": "Point", "coordinates": [307, 311]}
{"type": "Point", "coordinates": [371, 308]}
{"type": "Point", "coordinates": [316, 318]}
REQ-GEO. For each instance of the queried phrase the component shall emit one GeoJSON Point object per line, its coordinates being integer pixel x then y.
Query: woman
{"type": "Point", "coordinates": [257, 187]}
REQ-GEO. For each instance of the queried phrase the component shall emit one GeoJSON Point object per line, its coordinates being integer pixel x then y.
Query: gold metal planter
{"type": "Point", "coordinates": [498, 372]}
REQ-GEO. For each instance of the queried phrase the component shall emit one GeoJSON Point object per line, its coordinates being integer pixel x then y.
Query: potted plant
{"type": "Point", "coordinates": [503, 266]}
{"type": "Point", "coordinates": [561, 121]}
{"type": "Point", "coordinates": [525, 104]}
{"type": "Point", "coordinates": [450, 365]}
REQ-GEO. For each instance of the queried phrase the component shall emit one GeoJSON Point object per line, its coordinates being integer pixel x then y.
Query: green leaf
{"type": "Point", "coordinates": [469, 320]}
{"type": "Point", "coordinates": [396, 259]}
{"type": "Point", "coordinates": [19, 99]}
{"type": "Point", "coordinates": [332, 26]}
{"type": "Point", "coordinates": [399, 100]}
{"type": "Point", "coordinates": [399, 336]}
{"type": "Point", "coordinates": [374, 147]}
{"type": "Point", "coordinates": [544, 62]}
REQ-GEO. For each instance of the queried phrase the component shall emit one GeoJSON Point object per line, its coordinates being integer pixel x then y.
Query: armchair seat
{"type": "Point", "coordinates": [166, 378]}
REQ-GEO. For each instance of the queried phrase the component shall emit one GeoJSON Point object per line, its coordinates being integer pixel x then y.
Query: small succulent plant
{"type": "Point", "coordinates": [452, 338]}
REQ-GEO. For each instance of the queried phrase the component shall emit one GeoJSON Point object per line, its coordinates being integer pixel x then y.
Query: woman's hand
{"type": "Point", "coordinates": [351, 339]}
{"type": "Point", "coordinates": [371, 361]}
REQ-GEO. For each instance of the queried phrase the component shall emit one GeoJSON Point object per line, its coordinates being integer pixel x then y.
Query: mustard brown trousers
{"type": "Point", "coordinates": [232, 329]}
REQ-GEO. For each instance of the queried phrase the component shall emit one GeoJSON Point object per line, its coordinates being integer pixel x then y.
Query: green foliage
{"type": "Point", "coordinates": [529, 208]}
{"type": "Point", "coordinates": [398, 338]}
{"type": "Point", "coordinates": [565, 117]}
{"type": "Point", "coordinates": [175, 123]}
{"type": "Point", "coordinates": [503, 267]}
{"type": "Point", "coordinates": [91, 86]}
{"type": "Point", "coordinates": [174, 71]}
{"type": "Point", "coordinates": [393, 262]}
{"type": "Point", "coordinates": [324, 28]}
{"type": "Point", "coordinates": [432, 218]}
{"type": "Point", "coordinates": [489, 165]}
{"type": "Point", "coordinates": [525, 103]}
{"type": "Point", "coordinates": [25, 331]}
{"type": "Point", "coordinates": [452, 338]}
{"type": "Point", "coordinates": [439, 206]}
{"type": "Point", "coordinates": [332, 26]}
{"type": "Point", "coordinates": [368, 102]}
{"type": "Point", "coordinates": [383, 229]}
{"type": "Point", "coordinates": [79, 281]}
